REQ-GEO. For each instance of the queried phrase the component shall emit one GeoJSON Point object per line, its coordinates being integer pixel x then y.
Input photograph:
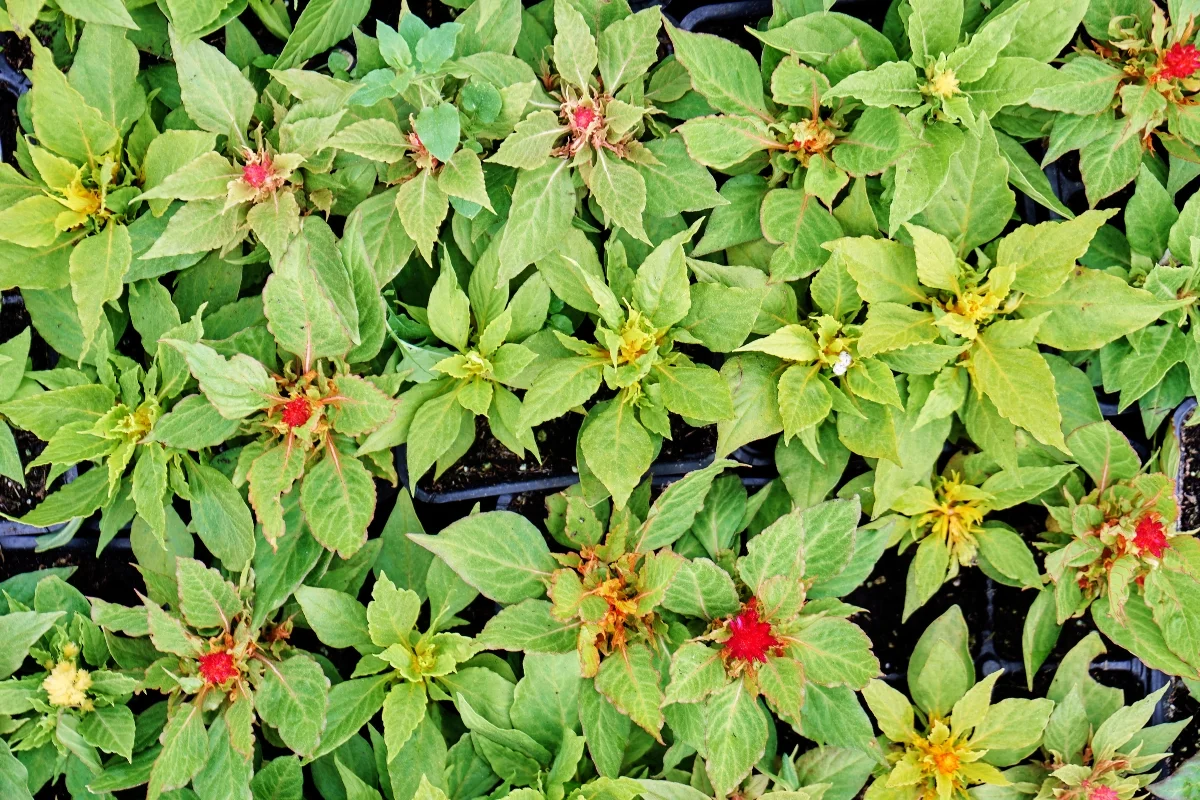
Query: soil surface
{"type": "Point", "coordinates": [489, 462]}
{"type": "Point", "coordinates": [1189, 477]}
{"type": "Point", "coordinates": [17, 500]}
{"type": "Point", "coordinates": [110, 577]}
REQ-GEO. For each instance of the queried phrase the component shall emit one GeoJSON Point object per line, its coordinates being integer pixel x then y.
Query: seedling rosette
{"type": "Point", "coordinates": [634, 354]}
{"type": "Point", "coordinates": [469, 366]}
{"type": "Point", "coordinates": [942, 82]}
{"type": "Point", "coordinates": [1115, 94]}
{"type": "Point", "coordinates": [65, 701]}
{"type": "Point", "coordinates": [955, 738]}
{"type": "Point", "coordinates": [946, 520]}
{"type": "Point", "coordinates": [222, 669]}
{"type": "Point", "coordinates": [1117, 551]}
{"type": "Point", "coordinates": [1095, 747]}
{"type": "Point", "coordinates": [304, 427]}
{"type": "Point", "coordinates": [585, 124]}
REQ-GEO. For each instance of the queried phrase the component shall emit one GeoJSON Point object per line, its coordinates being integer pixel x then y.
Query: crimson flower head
{"type": "Point", "coordinates": [1150, 537]}
{"type": "Point", "coordinates": [750, 638]}
{"type": "Point", "coordinates": [258, 173]}
{"type": "Point", "coordinates": [1101, 793]}
{"type": "Point", "coordinates": [1179, 61]}
{"type": "Point", "coordinates": [217, 667]}
{"type": "Point", "coordinates": [297, 412]}
{"type": "Point", "coordinates": [582, 117]}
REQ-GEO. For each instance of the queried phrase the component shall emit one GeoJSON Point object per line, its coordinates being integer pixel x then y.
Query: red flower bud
{"type": "Point", "coordinates": [217, 667]}
{"type": "Point", "coordinates": [1179, 61]}
{"type": "Point", "coordinates": [1150, 536]}
{"type": "Point", "coordinates": [1102, 793]}
{"type": "Point", "coordinates": [297, 412]}
{"type": "Point", "coordinates": [582, 117]}
{"type": "Point", "coordinates": [257, 174]}
{"type": "Point", "coordinates": [750, 638]}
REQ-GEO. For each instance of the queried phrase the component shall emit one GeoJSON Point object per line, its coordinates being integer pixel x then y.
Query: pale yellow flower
{"type": "Point", "coordinates": [67, 686]}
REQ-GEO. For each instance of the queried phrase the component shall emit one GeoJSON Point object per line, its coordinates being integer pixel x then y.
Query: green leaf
{"type": "Point", "coordinates": [546, 700]}
{"type": "Point", "coordinates": [575, 52]}
{"type": "Point", "coordinates": [215, 94]}
{"type": "Point", "coordinates": [275, 223]}
{"type": "Point", "coordinates": [20, 631]}
{"type": "Point", "coordinates": [338, 498]}
{"type": "Point", "coordinates": [605, 729]}
{"type": "Point", "coordinates": [975, 204]}
{"type": "Point", "coordinates": [98, 265]}
{"type": "Point", "coordinates": [279, 779]}
{"type": "Point", "coordinates": [449, 310]}
{"type": "Point", "coordinates": [1149, 217]}
{"type": "Point", "coordinates": [352, 704]}
{"type": "Point", "coordinates": [1039, 633]}
{"type": "Point", "coordinates": [798, 222]}
{"type": "Point", "coordinates": [892, 711]}
{"type": "Point", "coordinates": [220, 517]}
{"type": "Point", "coordinates": [291, 698]}
{"type": "Point", "coordinates": [184, 750]}
{"type": "Point", "coordinates": [621, 192]}
{"type": "Point", "coordinates": [753, 380]}
{"type": "Point", "coordinates": [724, 73]}
{"type": "Point", "coordinates": [236, 387]}
{"type": "Point", "coordinates": [1044, 255]}
{"type": "Point", "coordinates": [528, 146]}
{"type": "Point", "coordinates": [462, 177]}
{"type": "Point", "coordinates": [309, 298]}
{"type": "Point", "coordinates": [628, 48]}
{"type": "Point", "coordinates": [62, 119]}
{"type": "Point", "coordinates": [529, 626]}
{"type": "Point", "coordinates": [892, 84]}
{"type": "Point", "coordinates": [1092, 309]}
{"type": "Point", "coordinates": [403, 711]}
{"type": "Point", "coordinates": [677, 183]}
{"type": "Point", "coordinates": [169, 635]}
{"type": "Point", "coordinates": [660, 288]}
{"type": "Point", "coordinates": [1109, 164]}
{"type": "Point", "coordinates": [923, 171]}
{"type": "Point", "coordinates": [149, 488]}
{"type": "Point", "coordinates": [321, 25]}
{"type": "Point", "coordinates": [630, 681]}
{"type": "Point", "coordinates": [105, 70]}
{"type": "Point", "coordinates": [725, 141]}
{"type": "Point", "coordinates": [617, 449]}
{"type": "Point", "coordinates": [940, 670]}
{"type": "Point", "coordinates": [199, 226]}
{"type": "Point", "coordinates": [499, 553]}
{"type": "Point", "coordinates": [836, 652]}
{"type": "Point", "coordinates": [1019, 382]}
{"type": "Point", "coordinates": [736, 733]}
{"type": "Point", "coordinates": [438, 128]}
{"type": "Point", "coordinates": [697, 671]}
{"type": "Point", "coordinates": [337, 618]}
{"type": "Point", "coordinates": [543, 204]}
{"type": "Point", "coordinates": [422, 206]}
{"type": "Point", "coordinates": [673, 513]}
{"type": "Point", "coordinates": [205, 598]}
{"type": "Point", "coordinates": [933, 28]}
{"type": "Point", "coordinates": [111, 729]}
{"type": "Point", "coordinates": [1005, 552]}
{"type": "Point", "coordinates": [392, 613]}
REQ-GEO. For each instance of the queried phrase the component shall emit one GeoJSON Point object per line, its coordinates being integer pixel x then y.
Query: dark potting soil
{"type": "Point", "coordinates": [17, 500]}
{"type": "Point", "coordinates": [1189, 480]}
{"type": "Point", "coordinates": [489, 462]}
{"type": "Point", "coordinates": [110, 577]}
